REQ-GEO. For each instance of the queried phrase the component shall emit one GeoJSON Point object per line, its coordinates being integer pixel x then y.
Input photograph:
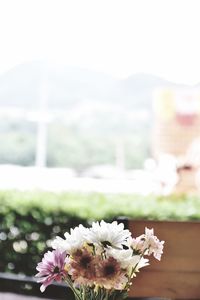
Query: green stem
{"type": "Point", "coordinates": [84, 294]}
{"type": "Point", "coordinates": [133, 270]}
{"type": "Point", "coordinates": [70, 284]}
{"type": "Point", "coordinates": [107, 294]}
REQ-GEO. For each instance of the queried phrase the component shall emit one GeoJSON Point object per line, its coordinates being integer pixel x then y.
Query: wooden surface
{"type": "Point", "coordinates": [177, 275]}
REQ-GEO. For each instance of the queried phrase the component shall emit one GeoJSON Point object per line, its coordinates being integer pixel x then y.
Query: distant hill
{"type": "Point", "coordinates": [68, 87]}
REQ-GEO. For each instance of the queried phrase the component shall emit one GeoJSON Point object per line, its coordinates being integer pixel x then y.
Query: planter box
{"type": "Point", "coordinates": [177, 275]}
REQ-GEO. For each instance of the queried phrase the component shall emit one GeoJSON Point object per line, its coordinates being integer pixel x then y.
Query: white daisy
{"type": "Point", "coordinates": [73, 240]}
{"type": "Point", "coordinates": [108, 234]}
{"type": "Point", "coordinates": [60, 244]}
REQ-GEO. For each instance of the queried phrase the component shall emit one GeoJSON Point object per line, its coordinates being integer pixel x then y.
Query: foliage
{"type": "Point", "coordinates": [29, 220]}
{"type": "Point", "coordinates": [78, 146]}
{"type": "Point", "coordinates": [18, 142]}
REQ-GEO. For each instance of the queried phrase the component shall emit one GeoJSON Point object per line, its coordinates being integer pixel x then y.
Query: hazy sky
{"type": "Point", "coordinates": [118, 37]}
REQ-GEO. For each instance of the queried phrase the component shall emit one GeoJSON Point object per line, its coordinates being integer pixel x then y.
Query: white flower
{"type": "Point", "coordinates": [127, 259]}
{"type": "Point", "coordinates": [154, 245]}
{"type": "Point", "coordinates": [60, 244]}
{"type": "Point", "coordinates": [73, 240]}
{"type": "Point", "coordinates": [139, 244]}
{"type": "Point", "coordinates": [148, 244]}
{"type": "Point", "coordinates": [142, 263]}
{"type": "Point", "coordinates": [108, 234]}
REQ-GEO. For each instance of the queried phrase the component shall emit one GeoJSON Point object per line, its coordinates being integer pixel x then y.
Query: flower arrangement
{"type": "Point", "coordinates": [98, 263]}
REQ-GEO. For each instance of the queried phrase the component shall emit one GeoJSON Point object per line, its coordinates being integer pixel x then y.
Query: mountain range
{"type": "Point", "coordinates": [68, 87]}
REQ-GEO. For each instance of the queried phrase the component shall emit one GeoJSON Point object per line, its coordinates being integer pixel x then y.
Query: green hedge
{"type": "Point", "coordinates": [29, 220]}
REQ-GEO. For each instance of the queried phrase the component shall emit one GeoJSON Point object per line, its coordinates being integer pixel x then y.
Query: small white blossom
{"type": "Point", "coordinates": [148, 244]}
{"type": "Point", "coordinates": [154, 245]}
{"type": "Point", "coordinates": [142, 263]}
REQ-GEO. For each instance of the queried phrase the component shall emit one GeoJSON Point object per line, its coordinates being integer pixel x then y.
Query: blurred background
{"type": "Point", "coordinates": [99, 117]}
{"type": "Point", "coordinates": [104, 91]}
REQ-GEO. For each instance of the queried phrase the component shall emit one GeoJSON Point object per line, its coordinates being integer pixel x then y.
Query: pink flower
{"type": "Point", "coordinates": [148, 244]}
{"type": "Point", "coordinates": [82, 267]}
{"type": "Point", "coordinates": [51, 268]}
{"type": "Point", "coordinates": [110, 275]}
{"type": "Point", "coordinates": [155, 246]}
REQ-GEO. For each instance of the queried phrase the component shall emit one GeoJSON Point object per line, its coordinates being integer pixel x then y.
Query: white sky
{"type": "Point", "coordinates": [118, 37]}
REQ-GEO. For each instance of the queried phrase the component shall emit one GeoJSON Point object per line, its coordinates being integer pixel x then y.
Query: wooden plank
{"type": "Point", "coordinates": [177, 275]}
{"type": "Point", "coordinates": [173, 285]}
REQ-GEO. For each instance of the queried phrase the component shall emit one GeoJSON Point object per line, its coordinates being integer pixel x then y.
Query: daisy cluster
{"type": "Point", "coordinates": [102, 258]}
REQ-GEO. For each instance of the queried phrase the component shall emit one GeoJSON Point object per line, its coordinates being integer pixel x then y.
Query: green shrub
{"type": "Point", "coordinates": [29, 220]}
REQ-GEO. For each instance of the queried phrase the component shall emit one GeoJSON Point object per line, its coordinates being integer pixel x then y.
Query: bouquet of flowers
{"type": "Point", "coordinates": [98, 263]}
